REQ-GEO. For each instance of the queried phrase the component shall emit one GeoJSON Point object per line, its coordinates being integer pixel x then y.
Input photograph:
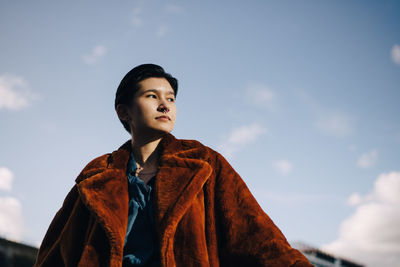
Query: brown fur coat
{"type": "Point", "coordinates": [205, 215]}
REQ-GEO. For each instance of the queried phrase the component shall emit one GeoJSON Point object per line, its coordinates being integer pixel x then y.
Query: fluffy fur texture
{"type": "Point", "coordinates": [205, 215]}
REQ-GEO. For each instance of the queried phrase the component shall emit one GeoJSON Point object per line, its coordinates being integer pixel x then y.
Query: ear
{"type": "Point", "coordinates": [122, 112]}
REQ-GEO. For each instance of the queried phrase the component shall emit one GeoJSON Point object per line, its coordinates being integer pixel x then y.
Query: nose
{"type": "Point", "coordinates": [163, 108]}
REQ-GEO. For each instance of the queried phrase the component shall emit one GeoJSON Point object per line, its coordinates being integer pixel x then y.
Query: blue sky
{"type": "Point", "coordinates": [302, 97]}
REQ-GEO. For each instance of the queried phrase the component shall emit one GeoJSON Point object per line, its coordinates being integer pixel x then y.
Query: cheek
{"type": "Point", "coordinates": [173, 118]}
{"type": "Point", "coordinates": [175, 111]}
{"type": "Point", "coordinates": [136, 116]}
{"type": "Point", "coordinates": [140, 111]}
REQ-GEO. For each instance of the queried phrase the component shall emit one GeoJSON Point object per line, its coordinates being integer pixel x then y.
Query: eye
{"type": "Point", "coordinates": [171, 99]}
{"type": "Point", "coordinates": [151, 96]}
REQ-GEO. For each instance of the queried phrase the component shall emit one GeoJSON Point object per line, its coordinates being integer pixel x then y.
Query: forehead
{"type": "Point", "coordinates": [154, 83]}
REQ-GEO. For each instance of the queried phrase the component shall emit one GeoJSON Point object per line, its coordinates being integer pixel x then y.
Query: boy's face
{"type": "Point", "coordinates": [153, 107]}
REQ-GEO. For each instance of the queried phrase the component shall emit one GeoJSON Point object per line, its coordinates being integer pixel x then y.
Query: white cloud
{"type": "Point", "coordinates": [162, 31]}
{"type": "Point", "coordinates": [14, 92]}
{"type": "Point", "coordinates": [95, 55]}
{"type": "Point", "coordinates": [11, 222]}
{"type": "Point", "coordinates": [368, 160]}
{"type": "Point", "coordinates": [284, 167]}
{"type": "Point", "coordinates": [261, 95]}
{"type": "Point", "coordinates": [240, 137]}
{"type": "Point", "coordinates": [6, 178]}
{"type": "Point", "coordinates": [395, 53]}
{"type": "Point", "coordinates": [174, 9]}
{"type": "Point", "coordinates": [136, 19]}
{"type": "Point", "coordinates": [337, 124]}
{"type": "Point", "coordinates": [372, 234]}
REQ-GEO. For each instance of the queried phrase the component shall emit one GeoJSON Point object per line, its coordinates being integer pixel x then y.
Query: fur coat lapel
{"type": "Point", "coordinates": [182, 173]}
{"type": "Point", "coordinates": [103, 188]}
{"type": "Point", "coordinates": [183, 170]}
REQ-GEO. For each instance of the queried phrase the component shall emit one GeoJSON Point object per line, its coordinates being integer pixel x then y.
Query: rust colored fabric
{"type": "Point", "coordinates": [205, 215]}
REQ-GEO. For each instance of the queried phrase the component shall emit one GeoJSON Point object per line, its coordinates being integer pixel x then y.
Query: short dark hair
{"type": "Point", "coordinates": [130, 84]}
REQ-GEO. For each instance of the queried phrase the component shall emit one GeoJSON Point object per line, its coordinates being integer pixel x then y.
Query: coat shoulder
{"type": "Point", "coordinates": [94, 166]}
{"type": "Point", "coordinates": [173, 145]}
{"type": "Point", "coordinates": [117, 159]}
{"type": "Point", "coordinates": [186, 144]}
{"type": "Point", "coordinates": [206, 153]}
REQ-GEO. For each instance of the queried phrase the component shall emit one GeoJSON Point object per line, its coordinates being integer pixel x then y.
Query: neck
{"type": "Point", "coordinates": [145, 150]}
{"type": "Point", "coordinates": [146, 155]}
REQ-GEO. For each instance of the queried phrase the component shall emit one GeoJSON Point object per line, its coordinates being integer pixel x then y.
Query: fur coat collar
{"type": "Point", "coordinates": [105, 178]}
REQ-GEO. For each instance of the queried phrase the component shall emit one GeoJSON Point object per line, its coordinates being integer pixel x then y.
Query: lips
{"type": "Point", "coordinates": [163, 117]}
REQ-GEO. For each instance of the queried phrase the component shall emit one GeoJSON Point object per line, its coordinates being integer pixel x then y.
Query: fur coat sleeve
{"type": "Point", "coordinates": [205, 215]}
{"type": "Point", "coordinates": [248, 236]}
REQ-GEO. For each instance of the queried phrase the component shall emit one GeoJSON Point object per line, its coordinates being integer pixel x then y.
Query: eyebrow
{"type": "Point", "coordinates": [157, 91]}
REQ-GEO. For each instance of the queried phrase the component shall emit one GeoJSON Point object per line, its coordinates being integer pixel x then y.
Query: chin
{"type": "Point", "coordinates": [163, 128]}
{"type": "Point", "coordinates": [153, 132]}
{"type": "Point", "coordinates": [161, 131]}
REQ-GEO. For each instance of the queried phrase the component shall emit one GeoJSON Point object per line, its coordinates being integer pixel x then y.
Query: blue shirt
{"type": "Point", "coordinates": [141, 245]}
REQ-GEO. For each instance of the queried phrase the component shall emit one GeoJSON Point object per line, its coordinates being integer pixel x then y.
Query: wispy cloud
{"type": "Point", "coordinates": [261, 95]}
{"type": "Point", "coordinates": [95, 55]}
{"type": "Point", "coordinates": [239, 137]}
{"type": "Point", "coordinates": [283, 167]}
{"type": "Point", "coordinates": [352, 148]}
{"type": "Point", "coordinates": [372, 234]}
{"type": "Point", "coordinates": [336, 124]}
{"type": "Point", "coordinates": [174, 9]}
{"type": "Point", "coordinates": [395, 53]}
{"type": "Point", "coordinates": [6, 179]}
{"type": "Point", "coordinates": [11, 221]}
{"type": "Point", "coordinates": [328, 120]}
{"type": "Point", "coordinates": [162, 30]}
{"type": "Point", "coordinates": [136, 19]}
{"type": "Point", "coordinates": [368, 160]}
{"type": "Point", "coordinates": [354, 199]}
{"type": "Point", "coordinates": [14, 92]}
